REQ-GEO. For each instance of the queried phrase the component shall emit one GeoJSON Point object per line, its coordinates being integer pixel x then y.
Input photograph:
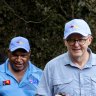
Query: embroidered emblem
{"type": "Point", "coordinates": [6, 82]}
{"type": "Point", "coordinates": [32, 79]}
{"type": "Point", "coordinates": [73, 26]}
{"type": "Point", "coordinates": [20, 42]}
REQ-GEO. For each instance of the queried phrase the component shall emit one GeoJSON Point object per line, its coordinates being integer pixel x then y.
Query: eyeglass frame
{"type": "Point", "coordinates": [73, 41]}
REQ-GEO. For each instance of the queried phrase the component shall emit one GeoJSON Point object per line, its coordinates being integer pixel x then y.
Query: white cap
{"type": "Point", "coordinates": [76, 26]}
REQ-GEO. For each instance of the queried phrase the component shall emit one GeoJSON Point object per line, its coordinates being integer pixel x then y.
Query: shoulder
{"type": "Point", "coordinates": [61, 59]}
{"type": "Point", "coordinates": [34, 70]}
{"type": "Point", "coordinates": [93, 57]}
{"type": "Point", "coordinates": [57, 63]}
{"type": "Point", "coordinates": [2, 67]}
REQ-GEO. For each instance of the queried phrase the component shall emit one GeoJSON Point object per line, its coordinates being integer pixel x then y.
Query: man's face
{"type": "Point", "coordinates": [77, 44]}
{"type": "Point", "coordinates": [18, 59]}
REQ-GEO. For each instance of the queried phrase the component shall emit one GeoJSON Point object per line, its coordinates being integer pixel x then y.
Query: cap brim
{"type": "Point", "coordinates": [81, 33]}
{"type": "Point", "coordinates": [19, 47]}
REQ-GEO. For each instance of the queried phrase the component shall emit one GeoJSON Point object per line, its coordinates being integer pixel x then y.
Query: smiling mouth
{"type": "Point", "coordinates": [76, 49]}
{"type": "Point", "coordinates": [18, 65]}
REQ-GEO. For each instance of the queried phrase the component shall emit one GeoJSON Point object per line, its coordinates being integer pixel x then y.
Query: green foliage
{"type": "Point", "coordinates": [42, 22]}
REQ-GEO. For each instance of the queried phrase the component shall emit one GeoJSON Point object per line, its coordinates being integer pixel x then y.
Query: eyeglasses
{"type": "Point", "coordinates": [73, 41]}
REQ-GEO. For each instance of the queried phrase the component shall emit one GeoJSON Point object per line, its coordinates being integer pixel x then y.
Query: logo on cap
{"type": "Point", "coordinates": [73, 26]}
{"type": "Point", "coordinates": [20, 42]}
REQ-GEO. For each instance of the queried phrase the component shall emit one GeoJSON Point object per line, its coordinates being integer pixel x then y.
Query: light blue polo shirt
{"type": "Point", "coordinates": [62, 76]}
{"type": "Point", "coordinates": [27, 86]}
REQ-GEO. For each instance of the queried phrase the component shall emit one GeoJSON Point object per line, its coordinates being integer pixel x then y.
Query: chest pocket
{"type": "Point", "coordinates": [63, 86]}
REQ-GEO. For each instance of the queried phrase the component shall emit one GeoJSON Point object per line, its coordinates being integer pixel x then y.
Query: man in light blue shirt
{"type": "Point", "coordinates": [18, 76]}
{"type": "Point", "coordinates": [74, 72]}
